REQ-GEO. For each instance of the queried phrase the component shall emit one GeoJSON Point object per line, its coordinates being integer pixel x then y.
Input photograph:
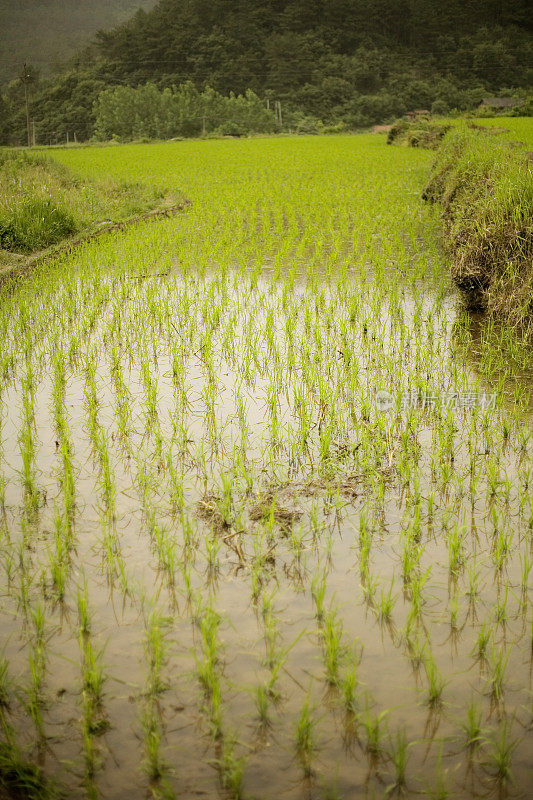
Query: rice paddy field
{"type": "Point", "coordinates": [518, 131]}
{"type": "Point", "coordinates": [265, 492]}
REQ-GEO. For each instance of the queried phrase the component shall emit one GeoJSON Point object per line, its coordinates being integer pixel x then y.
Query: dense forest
{"type": "Point", "coordinates": [344, 62]}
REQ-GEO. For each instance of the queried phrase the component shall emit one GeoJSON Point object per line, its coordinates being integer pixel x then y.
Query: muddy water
{"type": "Point", "coordinates": [155, 323]}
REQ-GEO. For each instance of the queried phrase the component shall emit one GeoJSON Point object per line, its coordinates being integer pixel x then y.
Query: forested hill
{"type": "Point", "coordinates": [47, 32]}
{"type": "Point", "coordinates": [239, 44]}
{"type": "Point", "coordinates": [353, 61]}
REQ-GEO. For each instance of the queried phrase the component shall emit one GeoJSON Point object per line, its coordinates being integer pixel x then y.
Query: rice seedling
{"type": "Point", "coordinates": [482, 641]}
{"type": "Point", "coordinates": [439, 788]}
{"type": "Point", "coordinates": [374, 726]}
{"type": "Point", "coordinates": [471, 726]}
{"type": "Point", "coordinates": [455, 550]}
{"type": "Point", "coordinates": [399, 755]}
{"type": "Point", "coordinates": [156, 649]}
{"type": "Point", "coordinates": [387, 602]}
{"type": "Point", "coordinates": [497, 667]}
{"type": "Point", "coordinates": [473, 580]}
{"type": "Point", "coordinates": [93, 675]}
{"type": "Point", "coordinates": [262, 704]}
{"type": "Point", "coordinates": [500, 611]}
{"type": "Point", "coordinates": [153, 764]}
{"type": "Point", "coordinates": [84, 614]}
{"type": "Point", "coordinates": [306, 743]}
{"type": "Point", "coordinates": [436, 682]}
{"type": "Point", "coordinates": [502, 750]}
{"type": "Point", "coordinates": [349, 684]}
{"type": "Point", "coordinates": [331, 633]}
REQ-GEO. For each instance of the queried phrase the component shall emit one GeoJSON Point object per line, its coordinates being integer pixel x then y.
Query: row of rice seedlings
{"type": "Point", "coordinates": [209, 667]}
{"type": "Point", "coordinates": [35, 698]}
{"type": "Point", "coordinates": [275, 658]}
{"type": "Point", "coordinates": [156, 648]}
{"type": "Point", "coordinates": [110, 542]}
{"type": "Point", "coordinates": [27, 440]}
{"type": "Point", "coordinates": [94, 721]}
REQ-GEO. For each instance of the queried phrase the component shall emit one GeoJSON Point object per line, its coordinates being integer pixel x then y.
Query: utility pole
{"type": "Point", "coordinates": [26, 76]}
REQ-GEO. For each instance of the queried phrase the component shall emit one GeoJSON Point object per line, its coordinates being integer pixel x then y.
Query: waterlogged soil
{"type": "Point", "coordinates": [281, 579]}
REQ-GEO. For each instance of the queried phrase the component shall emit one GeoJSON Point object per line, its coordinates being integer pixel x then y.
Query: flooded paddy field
{"type": "Point", "coordinates": [265, 497]}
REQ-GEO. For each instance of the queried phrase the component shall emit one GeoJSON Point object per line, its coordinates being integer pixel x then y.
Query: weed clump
{"type": "Point", "coordinates": [34, 224]}
{"type": "Point", "coordinates": [486, 194]}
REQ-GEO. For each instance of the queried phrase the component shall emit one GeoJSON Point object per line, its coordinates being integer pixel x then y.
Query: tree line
{"type": "Point", "coordinates": [350, 63]}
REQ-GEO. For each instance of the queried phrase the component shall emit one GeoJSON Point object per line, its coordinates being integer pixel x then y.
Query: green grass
{"type": "Point", "coordinates": [514, 129]}
{"type": "Point", "coordinates": [35, 224]}
{"type": "Point", "coordinates": [509, 129]}
{"type": "Point", "coordinates": [42, 203]}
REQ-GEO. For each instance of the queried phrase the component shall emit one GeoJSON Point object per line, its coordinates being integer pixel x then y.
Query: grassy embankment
{"type": "Point", "coordinates": [482, 179]}
{"type": "Point", "coordinates": [42, 204]}
{"type": "Point", "coordinates": [422, 132]}
{"type": "Point", "coordinates": [485, 190]}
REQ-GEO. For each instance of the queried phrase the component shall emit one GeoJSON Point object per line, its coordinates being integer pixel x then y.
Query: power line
{"type": "Point", "coordinates": [413, 56]}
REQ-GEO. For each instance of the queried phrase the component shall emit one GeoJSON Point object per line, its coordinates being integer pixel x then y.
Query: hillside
{"type": "Point", "coordinates": [354, 62]}
{"type": "Point", "coordinates": [46, 32]}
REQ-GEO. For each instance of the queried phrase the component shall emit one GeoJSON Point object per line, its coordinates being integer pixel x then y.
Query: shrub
{"type": "Point", "coordinates": [440, 108]}
{"type": "Point", "coordinates": [419, 133]}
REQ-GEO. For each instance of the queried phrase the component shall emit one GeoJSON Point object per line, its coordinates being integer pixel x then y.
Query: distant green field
{"type": "Point", "coordinates": [519, 128]}
{"type": "Point", "coordinates": [265, 493]}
